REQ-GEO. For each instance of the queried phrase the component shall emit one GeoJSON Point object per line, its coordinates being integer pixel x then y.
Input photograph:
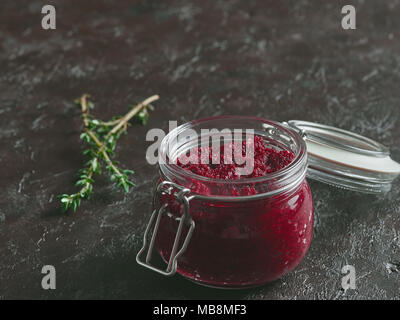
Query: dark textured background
{"type": "Point", "coordinates": [275, 59]}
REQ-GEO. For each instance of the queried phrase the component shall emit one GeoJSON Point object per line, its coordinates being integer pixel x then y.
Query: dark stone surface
{"type": "Point", "coordinates": [279, 60]}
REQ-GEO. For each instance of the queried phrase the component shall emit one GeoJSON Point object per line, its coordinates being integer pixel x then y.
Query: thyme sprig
{"type": "Point", "coordinates": [102, 137]}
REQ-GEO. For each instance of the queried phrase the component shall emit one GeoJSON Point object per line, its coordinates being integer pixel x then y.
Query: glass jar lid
{"type": "Point", "coordinates": [346, 159]}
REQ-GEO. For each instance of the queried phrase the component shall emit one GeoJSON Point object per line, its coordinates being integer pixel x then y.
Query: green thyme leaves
{"type": "Point", "coordinates": [101, 138]}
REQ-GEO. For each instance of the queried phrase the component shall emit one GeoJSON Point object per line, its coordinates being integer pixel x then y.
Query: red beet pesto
{"type": "Point", "coordinates": [249, 242]}
{"type": "Point", "coordinates": [266, 160]}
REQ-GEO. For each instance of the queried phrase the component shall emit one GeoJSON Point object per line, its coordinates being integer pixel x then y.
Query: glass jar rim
{"type": "Point", "coordinates": [292, 168]}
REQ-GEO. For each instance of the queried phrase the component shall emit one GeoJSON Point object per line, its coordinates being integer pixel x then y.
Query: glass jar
{"type": "Point", "coordinates": [247, 232]}
{"type": "Point", "coordinates": [208, 235]}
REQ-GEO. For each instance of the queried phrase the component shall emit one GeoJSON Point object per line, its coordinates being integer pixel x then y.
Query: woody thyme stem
{"type": "Point", "coordinates": [100, 148]}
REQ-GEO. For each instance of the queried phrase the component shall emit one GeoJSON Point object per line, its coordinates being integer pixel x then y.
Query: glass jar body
{"type": "Point", "coordinates": [241, 244]}
{"type": "Point", "coordinates": [244, 232]}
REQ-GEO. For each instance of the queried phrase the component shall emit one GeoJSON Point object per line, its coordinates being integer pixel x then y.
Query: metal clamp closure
{"type": "Point", "coordinates": [167, 187]}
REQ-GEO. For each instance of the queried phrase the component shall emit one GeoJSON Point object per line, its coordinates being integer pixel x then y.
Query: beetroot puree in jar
{"type": "Point", "coordinates": [240, 243]}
